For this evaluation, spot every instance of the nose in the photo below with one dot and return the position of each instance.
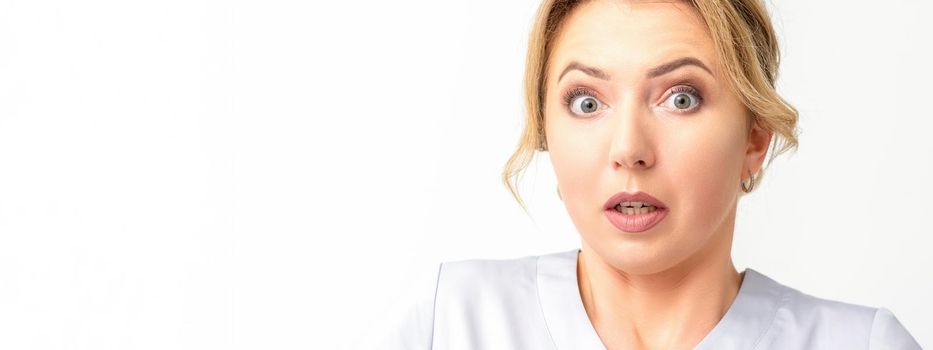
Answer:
(632, 138)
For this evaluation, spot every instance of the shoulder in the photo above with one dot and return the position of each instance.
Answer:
(486, 275)
(465, 300)
(475, 287)
(821, 312)
(413, 326)
(490, 303)
(817, 322)
(888, 333)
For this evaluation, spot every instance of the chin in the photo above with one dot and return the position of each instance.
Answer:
(641, 265)
(640, 256)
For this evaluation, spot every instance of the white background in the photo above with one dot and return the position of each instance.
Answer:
(271, 174)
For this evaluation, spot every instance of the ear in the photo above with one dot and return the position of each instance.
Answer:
(758, 140)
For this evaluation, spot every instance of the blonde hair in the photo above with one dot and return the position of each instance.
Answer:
(748, 52)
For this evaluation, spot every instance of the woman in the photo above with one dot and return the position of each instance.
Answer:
(657, 118)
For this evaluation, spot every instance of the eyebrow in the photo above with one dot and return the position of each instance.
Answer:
(591, 71)
(680, 62)
(653, 73)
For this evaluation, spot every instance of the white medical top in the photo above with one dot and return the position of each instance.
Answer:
(534, 302)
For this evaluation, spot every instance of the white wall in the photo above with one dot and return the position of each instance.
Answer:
(237, 175)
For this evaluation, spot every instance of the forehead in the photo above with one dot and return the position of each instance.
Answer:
(627, 38)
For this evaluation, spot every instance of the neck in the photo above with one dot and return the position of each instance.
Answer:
(674, 308)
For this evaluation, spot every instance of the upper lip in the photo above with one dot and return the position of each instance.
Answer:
(633, 197)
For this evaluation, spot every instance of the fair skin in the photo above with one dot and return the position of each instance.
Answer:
(668, 287)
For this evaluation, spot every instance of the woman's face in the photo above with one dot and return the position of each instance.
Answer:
(620, 118)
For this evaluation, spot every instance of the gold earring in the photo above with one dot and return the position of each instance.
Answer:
(751, 180)
(558, 193)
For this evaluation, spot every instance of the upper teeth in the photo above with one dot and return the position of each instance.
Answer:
(635, 204)
(635, 208)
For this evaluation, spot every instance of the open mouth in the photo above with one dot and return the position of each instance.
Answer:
(634, 202)
(633, 208)
(634, 212)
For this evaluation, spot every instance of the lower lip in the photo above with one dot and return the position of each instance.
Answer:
(635, 222)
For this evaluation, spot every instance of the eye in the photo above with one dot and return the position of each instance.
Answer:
(584, 105)
(581, 101)
(683, 99)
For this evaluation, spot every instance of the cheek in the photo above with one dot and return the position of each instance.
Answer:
(578, 155)
(703, 166)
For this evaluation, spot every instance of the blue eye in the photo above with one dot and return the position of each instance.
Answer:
(683, 99)
(581, 101)
(584, 105)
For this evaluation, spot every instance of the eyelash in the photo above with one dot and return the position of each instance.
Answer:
(681, 88)
(576, 92)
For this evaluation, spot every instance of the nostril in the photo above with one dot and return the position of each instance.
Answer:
(632, 162)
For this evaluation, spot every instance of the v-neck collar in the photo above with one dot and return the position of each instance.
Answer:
(744, 323)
